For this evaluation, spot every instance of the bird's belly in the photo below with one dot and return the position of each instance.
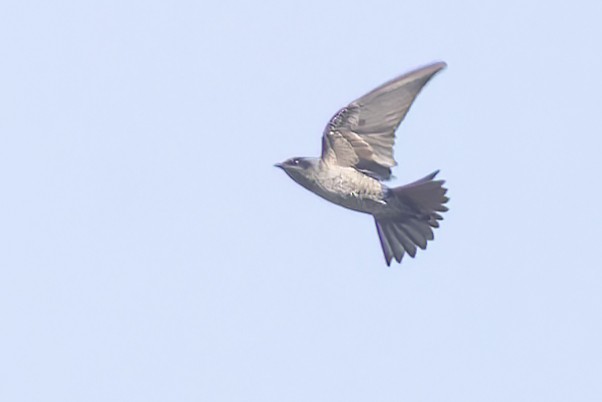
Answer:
(367, 198)
(359, 204)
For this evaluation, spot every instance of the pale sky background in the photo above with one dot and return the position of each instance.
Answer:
(149, 250)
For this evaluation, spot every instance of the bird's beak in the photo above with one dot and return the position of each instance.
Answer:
(279, 165)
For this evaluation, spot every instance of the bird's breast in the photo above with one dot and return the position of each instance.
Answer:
(351, 189)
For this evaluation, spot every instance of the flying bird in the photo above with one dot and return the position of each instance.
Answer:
(357, 156)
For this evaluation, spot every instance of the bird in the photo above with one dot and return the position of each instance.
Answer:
(357, 157)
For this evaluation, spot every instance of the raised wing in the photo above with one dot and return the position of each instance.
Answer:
(362, 134)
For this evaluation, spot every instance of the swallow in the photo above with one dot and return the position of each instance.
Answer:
(357, 156)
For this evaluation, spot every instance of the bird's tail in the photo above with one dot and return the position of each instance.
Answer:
(418, 206)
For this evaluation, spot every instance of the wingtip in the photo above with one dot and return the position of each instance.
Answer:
(440, 64)
(433, 67)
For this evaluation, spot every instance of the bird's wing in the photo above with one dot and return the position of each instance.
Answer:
(362, 134)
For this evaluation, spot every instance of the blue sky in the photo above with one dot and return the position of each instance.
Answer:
(150, 251)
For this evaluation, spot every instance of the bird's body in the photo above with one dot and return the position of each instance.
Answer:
(344, 186)
(357, 153)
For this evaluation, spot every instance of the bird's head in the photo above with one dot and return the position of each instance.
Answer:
(299, 169)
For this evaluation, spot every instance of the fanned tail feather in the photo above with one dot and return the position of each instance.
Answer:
(418, 206)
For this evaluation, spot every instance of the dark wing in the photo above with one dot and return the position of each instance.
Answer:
(363, 133)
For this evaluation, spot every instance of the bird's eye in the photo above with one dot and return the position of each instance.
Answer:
(296, 161)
